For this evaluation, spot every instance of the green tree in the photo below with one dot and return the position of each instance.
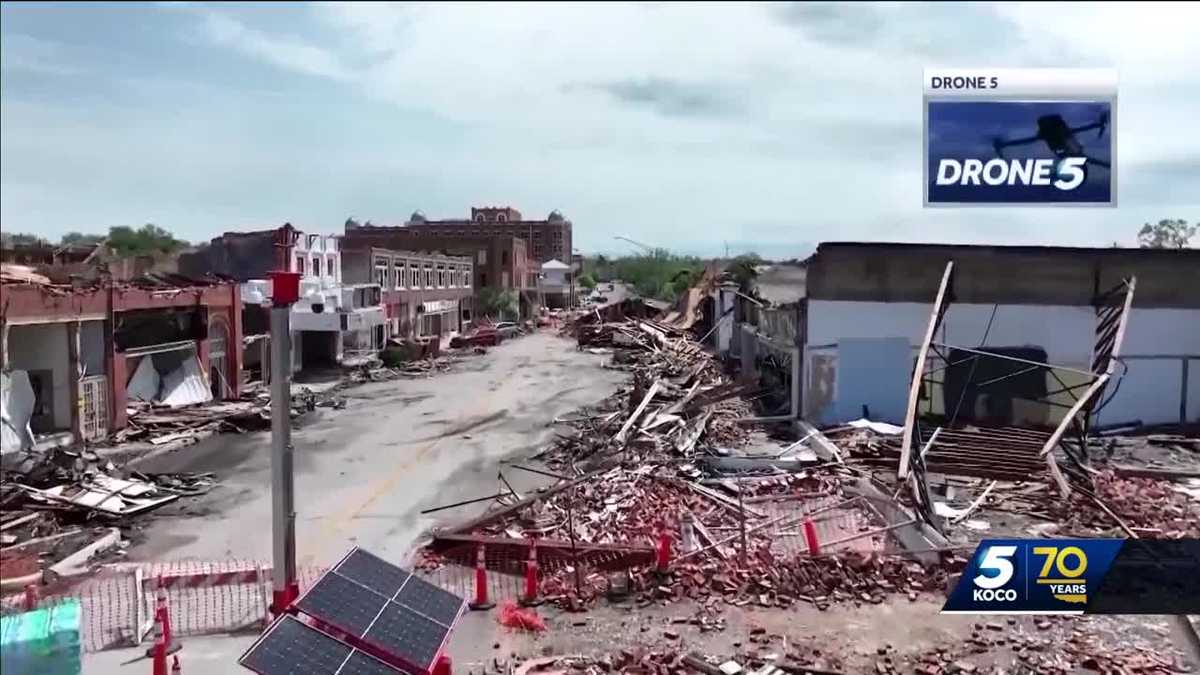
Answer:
(742, 268)
(587, 281)
(1168, 233)
(80, 239)
(496, 303)
(149, 239)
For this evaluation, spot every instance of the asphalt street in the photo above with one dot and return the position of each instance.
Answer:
(364, 473)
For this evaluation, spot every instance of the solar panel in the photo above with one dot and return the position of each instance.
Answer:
(434, 602)
(343, 603)
(291, 647)
(372, 572)
(407, 635)
(384, 606)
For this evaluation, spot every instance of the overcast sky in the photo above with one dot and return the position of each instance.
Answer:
(760, 127)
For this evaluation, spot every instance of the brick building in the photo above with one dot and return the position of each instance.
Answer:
(548, 239)
(498, 262)
(72, 357)
(424, 294)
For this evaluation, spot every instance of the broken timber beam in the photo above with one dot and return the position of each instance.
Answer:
(492, 516)
(914, 390)
(824, 447)
(620, 437)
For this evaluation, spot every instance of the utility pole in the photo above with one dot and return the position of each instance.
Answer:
(285, 291)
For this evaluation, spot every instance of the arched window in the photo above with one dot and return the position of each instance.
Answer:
(500, 218)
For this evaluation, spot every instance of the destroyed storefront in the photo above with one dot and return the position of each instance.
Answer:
(75, 359)
(56, 366)
(867, 309)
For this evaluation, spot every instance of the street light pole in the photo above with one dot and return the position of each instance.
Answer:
(285, 584)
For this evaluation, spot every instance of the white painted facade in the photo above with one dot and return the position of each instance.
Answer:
(318, 258)
(325, 304)
(1157, 344)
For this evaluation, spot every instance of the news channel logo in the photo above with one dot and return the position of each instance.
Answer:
(1020, 137)
(1033, 576)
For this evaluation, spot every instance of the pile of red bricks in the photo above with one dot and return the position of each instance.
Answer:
(1150, 507)
(821, 581)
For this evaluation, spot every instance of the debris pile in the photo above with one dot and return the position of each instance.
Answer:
(423, 367)
(159, 424)
(52, 503)
(680, 400)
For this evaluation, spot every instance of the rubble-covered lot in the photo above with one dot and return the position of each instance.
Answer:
(781, 551)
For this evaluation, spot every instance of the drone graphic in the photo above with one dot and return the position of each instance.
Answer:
(1059, 136)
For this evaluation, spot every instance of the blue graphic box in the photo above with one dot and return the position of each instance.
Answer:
(1000, 133)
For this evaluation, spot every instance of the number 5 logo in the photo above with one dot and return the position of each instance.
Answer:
(996, 562)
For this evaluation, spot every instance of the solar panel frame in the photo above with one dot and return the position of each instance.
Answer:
(345, 603)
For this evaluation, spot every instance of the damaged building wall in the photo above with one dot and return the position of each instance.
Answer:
(1064, 333)
(41, 350)
(880, 291)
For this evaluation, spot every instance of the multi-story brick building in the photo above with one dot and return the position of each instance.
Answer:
(424, 294)
(548, 239)
(498, 262)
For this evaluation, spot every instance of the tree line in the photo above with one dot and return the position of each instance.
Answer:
(149, 239)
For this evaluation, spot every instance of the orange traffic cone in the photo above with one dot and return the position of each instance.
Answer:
(158, 651)
(481, 601)
(160, 606)
(530, 597)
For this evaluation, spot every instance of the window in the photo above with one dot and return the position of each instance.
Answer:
(451, 272)
(441, 276)
(401, 271)
(381, 272)
(483, 278)
(329, 267)
(504, 257)
(483, 256)
(479, 218)
(316, 266)
(300, 263)
(500, 218)
(428, 276)
(413, 275)
(466, 278)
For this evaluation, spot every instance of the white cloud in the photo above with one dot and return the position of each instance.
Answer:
(33, 55)
(683, 124)
(284, 51)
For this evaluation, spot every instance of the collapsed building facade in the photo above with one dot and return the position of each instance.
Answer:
(73, 357)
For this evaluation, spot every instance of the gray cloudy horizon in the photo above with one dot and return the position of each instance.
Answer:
(763, 127)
